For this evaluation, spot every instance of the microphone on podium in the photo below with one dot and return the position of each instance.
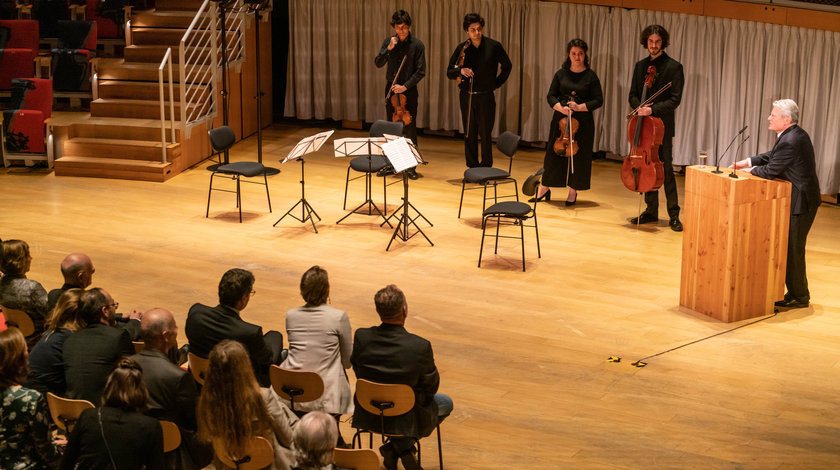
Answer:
(733, 175)
(717, 160)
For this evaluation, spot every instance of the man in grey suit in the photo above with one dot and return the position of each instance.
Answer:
(791, 159)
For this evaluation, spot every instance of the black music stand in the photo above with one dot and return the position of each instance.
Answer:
(403, 155)
(363, 146)
(307, 145)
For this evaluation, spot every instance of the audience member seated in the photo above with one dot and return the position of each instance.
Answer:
(45, 361)
(117, 431)
(389, 354)
(172, 391)
(16, 291)
(77, 270)
(25, 441)
(320, 340)
(91, 353)
(314, 441)
(233, 408)
(207, 326)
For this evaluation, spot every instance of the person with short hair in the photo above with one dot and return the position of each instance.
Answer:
(116, 434)
(45, 361)
(25, 439)
(16, 291)
(486, 67)
(791, 159)
(207, 326)
(314, 440)
(389, 354)
(77, 271)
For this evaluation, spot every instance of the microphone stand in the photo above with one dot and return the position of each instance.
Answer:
(717, 160)
(256, 7)
(733, 175)
(223, 6)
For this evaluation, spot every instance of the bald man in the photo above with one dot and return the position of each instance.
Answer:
(77, 269)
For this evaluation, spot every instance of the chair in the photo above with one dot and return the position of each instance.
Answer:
(258, 454)
(356, 459)
(516, 213)
(198, 367)
(371, 166)
(171, 436)
(296, 385)
(221, 139)
(27, 126)
(387, 400)
(19, 319)
(139, 346)
(64, 411)
(507, 143)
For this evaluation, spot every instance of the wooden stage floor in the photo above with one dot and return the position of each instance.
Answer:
(523, 355)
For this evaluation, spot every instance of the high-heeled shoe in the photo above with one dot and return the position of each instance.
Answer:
(572, 202)
(546, 195)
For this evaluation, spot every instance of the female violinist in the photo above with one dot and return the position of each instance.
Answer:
(575, 92)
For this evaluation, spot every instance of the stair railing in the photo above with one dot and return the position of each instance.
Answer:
(167, 61)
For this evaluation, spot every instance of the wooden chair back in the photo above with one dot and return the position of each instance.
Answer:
(198, 367)
(19, 319)
(389, 399)
(258, 455)
(296, 385)
(64, 411)
(139, 346)
(356, 459)
(171, 436)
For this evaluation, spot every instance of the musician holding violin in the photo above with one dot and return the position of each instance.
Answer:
(665, 70)
(406, 59)
(574, 93)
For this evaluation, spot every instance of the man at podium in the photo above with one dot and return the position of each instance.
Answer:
(791, 159)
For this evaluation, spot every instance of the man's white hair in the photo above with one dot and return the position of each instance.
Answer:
(788, 108)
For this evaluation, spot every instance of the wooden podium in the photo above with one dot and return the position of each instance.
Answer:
(734, 245)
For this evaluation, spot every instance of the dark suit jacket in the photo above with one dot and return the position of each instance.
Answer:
(664, 105)
(133, 440)
(208, 326)
(52, 297)
(389, 354)
(792, 159)
(90, 355)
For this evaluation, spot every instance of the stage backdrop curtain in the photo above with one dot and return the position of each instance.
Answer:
(733, 70)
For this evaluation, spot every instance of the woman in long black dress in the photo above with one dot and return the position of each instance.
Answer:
(574, 90)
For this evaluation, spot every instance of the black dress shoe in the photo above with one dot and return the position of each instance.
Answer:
(644, 218)
(546, 195)
(412, 174)
(389, 457)
(675, 224)
(792, 302)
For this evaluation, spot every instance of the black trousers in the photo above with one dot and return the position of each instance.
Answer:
(482, 118)
(410, 130)
(795, 279)
(670, 183)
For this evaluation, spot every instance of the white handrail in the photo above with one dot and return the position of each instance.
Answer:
(167, 60)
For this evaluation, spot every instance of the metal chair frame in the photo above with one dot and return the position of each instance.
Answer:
(507, 143)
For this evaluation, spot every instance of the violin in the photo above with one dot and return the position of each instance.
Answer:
(461, 59)
(642, 171)
(565, 145)
(398, 101)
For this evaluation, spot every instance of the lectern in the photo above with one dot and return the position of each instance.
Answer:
(734, 244)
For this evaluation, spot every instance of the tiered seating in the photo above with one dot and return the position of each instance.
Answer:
(26, 127)
(18, 50)
(71, 60)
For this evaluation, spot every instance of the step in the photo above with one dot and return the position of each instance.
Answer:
(120, 128)
(138, 90)
(128, 108)
(158, 18)
(154, 54)
(119, 168)
(148, 72)
(169, 36)
(187, 5)
(129, 149)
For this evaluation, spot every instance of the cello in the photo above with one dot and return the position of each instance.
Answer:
(642, 171)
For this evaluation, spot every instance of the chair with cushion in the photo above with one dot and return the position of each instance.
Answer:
(18, 50)
(64, 411)
(370, 166)
(296, 385)
(259, 454)
(222, 139)
(356, 459)
(483, 177)
(387, 400)
(71, 60)
(513, 213)
(198, 367)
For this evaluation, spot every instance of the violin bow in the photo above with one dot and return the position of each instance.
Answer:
(396, 76)
(649, 100)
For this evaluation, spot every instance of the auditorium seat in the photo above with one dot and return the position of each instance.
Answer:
(27, 129)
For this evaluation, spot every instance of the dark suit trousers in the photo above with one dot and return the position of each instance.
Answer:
(795, 279)
(274, 341)
(670, 183)
(482, 117)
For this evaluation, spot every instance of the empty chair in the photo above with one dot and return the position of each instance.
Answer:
(222, 139)
(64, 411)
(483, 177)
(372, 165)
(296, 385)
(513, 213)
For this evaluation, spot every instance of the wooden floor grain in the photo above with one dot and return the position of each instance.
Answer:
(523, 355)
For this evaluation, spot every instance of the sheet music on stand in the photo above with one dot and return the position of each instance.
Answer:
(358, 146)
(402, 154)
(308, 145)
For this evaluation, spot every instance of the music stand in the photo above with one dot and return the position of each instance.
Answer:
(402, 155)
(306, 145)
(362, 146)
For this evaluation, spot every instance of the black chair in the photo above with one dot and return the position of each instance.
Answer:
(371, 166)
(507, 143)
(514, 213)
(222, 138)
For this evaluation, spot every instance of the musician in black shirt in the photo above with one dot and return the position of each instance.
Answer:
(485, 67)
(403, 45)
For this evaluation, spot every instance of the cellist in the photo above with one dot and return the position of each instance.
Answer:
(655, 39)
(403, 45)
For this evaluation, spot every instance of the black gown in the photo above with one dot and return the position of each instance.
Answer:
(587, 89)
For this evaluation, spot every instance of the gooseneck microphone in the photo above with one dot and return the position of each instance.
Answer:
(733, 175)
(717, 160)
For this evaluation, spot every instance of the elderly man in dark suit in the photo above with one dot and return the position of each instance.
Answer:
(389, 354)
(91, 353)
(791, 159)
(208, 326)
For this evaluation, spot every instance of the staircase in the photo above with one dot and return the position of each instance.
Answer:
(122, 137)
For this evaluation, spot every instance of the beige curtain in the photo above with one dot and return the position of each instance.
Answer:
(733, 70)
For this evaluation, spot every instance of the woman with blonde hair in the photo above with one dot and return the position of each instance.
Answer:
(45, 361)
(233, 408)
